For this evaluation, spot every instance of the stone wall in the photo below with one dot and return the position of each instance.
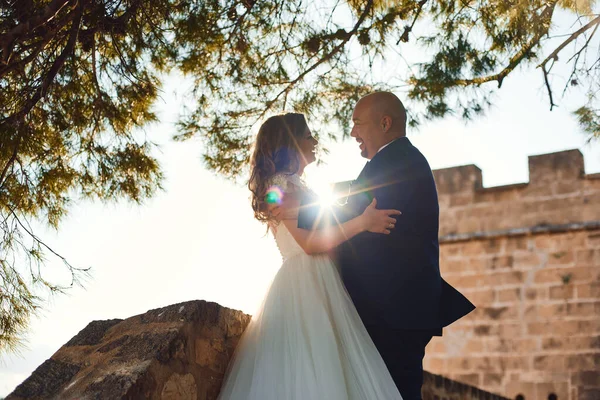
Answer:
(528, 255)
(437, 387)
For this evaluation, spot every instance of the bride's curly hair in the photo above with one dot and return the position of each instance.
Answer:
(275, 151)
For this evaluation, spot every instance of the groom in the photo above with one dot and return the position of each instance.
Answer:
(394, 280)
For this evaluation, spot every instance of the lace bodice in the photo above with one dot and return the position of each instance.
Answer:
(288, 247)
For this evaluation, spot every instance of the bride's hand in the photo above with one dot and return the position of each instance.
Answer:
(379, 221)
(288, 209)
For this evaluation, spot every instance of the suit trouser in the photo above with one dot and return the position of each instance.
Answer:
(403, 352)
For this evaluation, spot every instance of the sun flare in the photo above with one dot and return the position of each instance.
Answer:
(323, 189)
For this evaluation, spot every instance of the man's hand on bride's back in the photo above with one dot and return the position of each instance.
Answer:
(288, 208)
(379, 221)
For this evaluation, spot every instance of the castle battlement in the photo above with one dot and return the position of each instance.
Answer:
(528, 256)
(558, 193)
(543, 169)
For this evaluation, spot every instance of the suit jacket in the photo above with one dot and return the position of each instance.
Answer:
(394, 280)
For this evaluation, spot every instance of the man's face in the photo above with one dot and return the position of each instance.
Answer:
(366, 130)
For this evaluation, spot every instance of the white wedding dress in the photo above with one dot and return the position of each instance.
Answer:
(306, 341)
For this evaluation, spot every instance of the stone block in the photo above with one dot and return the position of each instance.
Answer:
(511, 329)
(587, 379)
(436, 364)
(458, 179)
(593, 240)
(513, 278)
(553, 362)
(520, 387)
(436, 387)
(453, 266)
(588, 257)
(474, 346)
(500, 313)
(534, 294)
(570, 275)
(473, 248)
(590, 326)
(481, 297)
(527, 260)
(469, 379)
(491, 379)
(563, 257)
(448, 250)
(500, 263)
(562, 292)
(517, 243)
(546, 242)
(569, 344)
(512, 295)
(545, 389)
(584, 361)
(548, 168)
(589, 290)
(588, 394)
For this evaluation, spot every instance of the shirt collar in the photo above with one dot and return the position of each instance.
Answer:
(387, 144)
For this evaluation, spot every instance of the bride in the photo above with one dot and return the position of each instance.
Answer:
(306, 341)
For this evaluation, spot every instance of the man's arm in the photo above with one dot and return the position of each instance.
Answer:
(323, 240)
(312, 214)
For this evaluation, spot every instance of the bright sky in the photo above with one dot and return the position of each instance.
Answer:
(197, 240)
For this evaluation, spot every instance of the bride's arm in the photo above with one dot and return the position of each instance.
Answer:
(320, 241)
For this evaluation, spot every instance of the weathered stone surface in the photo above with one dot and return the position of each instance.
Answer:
(178, 352)
(93, 333)
(558, 195)
(528, 256)
(46, 380)
(180, 387)
(436, 387)
(148, 356)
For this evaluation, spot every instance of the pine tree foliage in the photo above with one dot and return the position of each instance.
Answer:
(77, 77)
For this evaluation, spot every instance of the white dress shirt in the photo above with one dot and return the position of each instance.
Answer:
(387, 144)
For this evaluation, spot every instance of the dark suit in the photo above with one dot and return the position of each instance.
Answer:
(394, 280)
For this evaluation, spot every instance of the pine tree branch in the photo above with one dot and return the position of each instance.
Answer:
(326, 57)
(11, 160)
(544, 18)
(548, 88)
(39, 47)
(574, 35)
(18, 119)
(60, 61)
(408, 29)
(41, 242)
(47, 14)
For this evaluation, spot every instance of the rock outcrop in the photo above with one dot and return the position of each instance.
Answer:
(179, 352)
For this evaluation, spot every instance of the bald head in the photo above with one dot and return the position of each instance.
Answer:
(386, 104)
(379, 118)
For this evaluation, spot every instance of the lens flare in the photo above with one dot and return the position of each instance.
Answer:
(326, 196)
(274, 195)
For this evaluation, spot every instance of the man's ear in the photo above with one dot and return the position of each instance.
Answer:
(386, 123)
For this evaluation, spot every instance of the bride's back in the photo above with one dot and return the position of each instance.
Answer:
(288, 247)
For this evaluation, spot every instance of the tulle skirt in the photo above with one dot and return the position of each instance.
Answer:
(307, 342)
